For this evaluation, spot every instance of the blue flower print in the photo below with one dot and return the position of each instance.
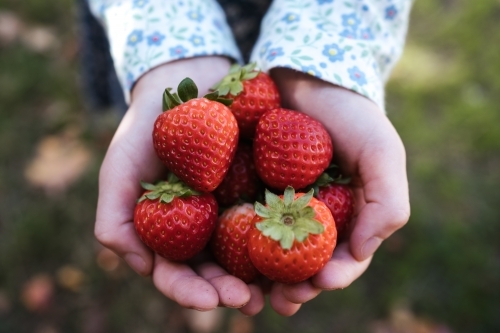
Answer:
(366, 34)
(333, 52)
(130, 80)
(391, 12)
(218, 24)
(134, 37)
(155, 38)
(350, 21)
(274, 53)
(264, 48)
(348, 34)
(195, 15)
(291, 17)
(322, 2)
(311, 70)
(140, 3)
(197, 40)
(178, 51)
(357, 75)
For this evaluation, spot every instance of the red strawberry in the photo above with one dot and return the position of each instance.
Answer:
(229, 241)
(196, 139)
(291, 149)
(333, 190)
(241, 181)
(292, 237)
(173, 220)
(253, 93)
(340, 200)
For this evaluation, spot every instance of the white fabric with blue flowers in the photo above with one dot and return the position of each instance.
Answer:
(350, 43)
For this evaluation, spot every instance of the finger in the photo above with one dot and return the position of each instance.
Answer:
(387, 207)
(340, 271)
(119, 189)
(182, 285)
(232, 292)
(114, 227)
(122, 239)
(279, 302)
(256, 303)
(301, 292)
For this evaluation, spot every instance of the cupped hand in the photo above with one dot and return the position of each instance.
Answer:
(131, 158)
(369, 150)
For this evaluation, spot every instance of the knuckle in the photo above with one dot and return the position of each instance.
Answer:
(400, 218)
(103, 237)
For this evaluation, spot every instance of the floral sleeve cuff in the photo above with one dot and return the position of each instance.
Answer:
(146, 33)
(350, 43)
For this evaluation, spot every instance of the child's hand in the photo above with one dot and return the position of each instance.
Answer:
(130, 159)
(368, 149)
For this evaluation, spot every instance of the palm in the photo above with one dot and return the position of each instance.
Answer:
(368, 149)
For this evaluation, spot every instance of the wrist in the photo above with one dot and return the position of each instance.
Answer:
(204, 71)
(306, 93)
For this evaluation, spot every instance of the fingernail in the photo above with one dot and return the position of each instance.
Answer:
(370, 246)
(136, 262)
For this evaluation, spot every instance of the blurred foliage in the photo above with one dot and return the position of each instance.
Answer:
(441, 273)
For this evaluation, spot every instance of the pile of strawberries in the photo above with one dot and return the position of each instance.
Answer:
(248, 180)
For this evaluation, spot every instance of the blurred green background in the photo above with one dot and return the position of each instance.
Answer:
(439, 274)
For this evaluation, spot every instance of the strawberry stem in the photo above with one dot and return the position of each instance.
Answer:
(288, 219)
(187, 90)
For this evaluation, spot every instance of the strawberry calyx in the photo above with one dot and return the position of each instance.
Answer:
(330, 175)
(187, 90)
(287, 219)
(232, 83)
(166, 191)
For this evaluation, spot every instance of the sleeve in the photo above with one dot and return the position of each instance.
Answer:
(146, 33)
(350, 43)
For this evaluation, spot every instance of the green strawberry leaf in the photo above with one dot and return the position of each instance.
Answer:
(249, 76)
(302, 202)
(153, 195)
(170, 100)
(261, 210)
(214, 96)
(187, 90)
(147, 186)
(167, 191)
(232, 82)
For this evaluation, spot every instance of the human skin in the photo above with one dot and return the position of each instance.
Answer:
(366, 146)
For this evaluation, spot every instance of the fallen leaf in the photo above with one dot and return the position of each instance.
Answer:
(11, 27)
(70, 277)
(204, 321)
(39, 39)
(403, 320)
(37, 293)
(59, 161)
(107, 260)
(240, 323)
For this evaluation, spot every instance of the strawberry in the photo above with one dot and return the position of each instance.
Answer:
(197, 137)
(290, 149)
(229, 241)
(253, 93)
(333, 190)
(292, 237)
(173, 220)
(241, 181)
